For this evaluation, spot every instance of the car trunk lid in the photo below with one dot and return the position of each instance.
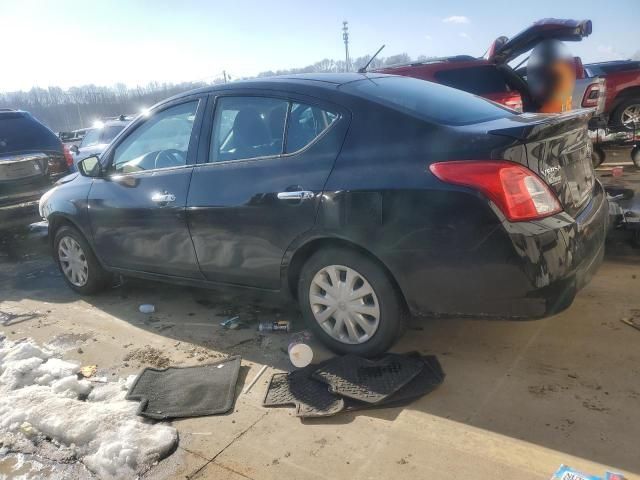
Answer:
(504, 49)
(23, 176)
(559, 150)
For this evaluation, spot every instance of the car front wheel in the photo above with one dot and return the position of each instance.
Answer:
(350, 303)
(77, 263)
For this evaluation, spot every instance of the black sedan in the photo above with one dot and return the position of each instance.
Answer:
(365, 197)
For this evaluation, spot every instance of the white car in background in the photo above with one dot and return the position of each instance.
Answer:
(98, 138)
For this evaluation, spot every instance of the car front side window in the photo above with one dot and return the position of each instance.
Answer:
(161, 142)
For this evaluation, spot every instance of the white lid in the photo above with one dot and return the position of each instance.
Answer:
(300, 355)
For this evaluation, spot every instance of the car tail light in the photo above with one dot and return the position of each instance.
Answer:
(514, 104)
(517, 191)
(67, 156)
(591, 96)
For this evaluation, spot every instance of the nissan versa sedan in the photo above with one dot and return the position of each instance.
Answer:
(366, 197)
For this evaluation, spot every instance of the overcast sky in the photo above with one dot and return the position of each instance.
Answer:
(66, 43)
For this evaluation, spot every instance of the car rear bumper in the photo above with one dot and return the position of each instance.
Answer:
(520, 270)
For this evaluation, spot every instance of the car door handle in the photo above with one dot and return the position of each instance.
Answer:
(298, 195)
(163, 197)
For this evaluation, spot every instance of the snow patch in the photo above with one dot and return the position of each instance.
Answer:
(42, 397)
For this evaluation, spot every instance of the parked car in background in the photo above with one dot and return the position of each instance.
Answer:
(492, 77)
(72, 138)
(97, 138)
(32, 158)
(362, 196)
(622, 101)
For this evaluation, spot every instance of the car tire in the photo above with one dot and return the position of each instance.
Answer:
(597, 156)
(635, 156)
(79, 266)
(620, 113)
(381, 312)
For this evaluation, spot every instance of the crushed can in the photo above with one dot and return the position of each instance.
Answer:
(277, 326)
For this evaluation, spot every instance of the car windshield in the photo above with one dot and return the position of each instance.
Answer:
(92, 137)
(427, 100)
(97, 136)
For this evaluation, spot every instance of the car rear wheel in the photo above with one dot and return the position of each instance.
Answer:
(77, 263)
(350, 303)
(627, 114)
(635, 156)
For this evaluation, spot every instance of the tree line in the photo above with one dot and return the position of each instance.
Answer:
(79, 107)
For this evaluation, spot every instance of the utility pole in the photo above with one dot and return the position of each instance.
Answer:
(345, 37)
(224, 74)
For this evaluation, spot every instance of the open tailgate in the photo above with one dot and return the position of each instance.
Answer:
(505, 49)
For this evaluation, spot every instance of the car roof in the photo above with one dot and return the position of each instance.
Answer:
(436, 60)
(329, 81)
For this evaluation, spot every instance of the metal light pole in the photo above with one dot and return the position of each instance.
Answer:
(345, 37)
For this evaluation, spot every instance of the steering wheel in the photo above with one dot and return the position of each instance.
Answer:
(169, 158)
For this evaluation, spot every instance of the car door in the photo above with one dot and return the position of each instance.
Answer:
(137, 210)
(268, 160)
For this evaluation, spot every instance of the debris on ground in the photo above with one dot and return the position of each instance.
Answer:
(255, 379)
(234, 323)
(277, 326)
(147, 308)
(568, 473)
(148, 355)
(45, 410)
(300, 353)
(180, 392)
(88, 371)
(631, 322)
(354, 383)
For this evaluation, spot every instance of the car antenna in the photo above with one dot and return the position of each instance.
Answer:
(364, 69)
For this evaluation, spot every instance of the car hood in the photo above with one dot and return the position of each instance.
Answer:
(506, 49)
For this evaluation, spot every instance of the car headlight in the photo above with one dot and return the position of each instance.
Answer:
(43, 201)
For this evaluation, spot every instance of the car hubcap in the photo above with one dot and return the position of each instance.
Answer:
(73, 261)
(344, 304)
(631, 116)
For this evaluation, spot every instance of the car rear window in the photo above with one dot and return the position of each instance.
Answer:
(428, 100)
(476, 80)
(21, 132)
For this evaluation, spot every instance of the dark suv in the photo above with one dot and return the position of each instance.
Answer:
(362, 196)
(32, 158)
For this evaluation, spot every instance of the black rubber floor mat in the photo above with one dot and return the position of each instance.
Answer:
(311, 398)
(369, 381)
(430, 378)
(178, 392)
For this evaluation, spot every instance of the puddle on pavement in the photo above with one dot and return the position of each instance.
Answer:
(27, 467)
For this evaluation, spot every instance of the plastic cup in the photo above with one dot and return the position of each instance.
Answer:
(300, 354)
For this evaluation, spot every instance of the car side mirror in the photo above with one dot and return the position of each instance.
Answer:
(90, 167)
(74, 149)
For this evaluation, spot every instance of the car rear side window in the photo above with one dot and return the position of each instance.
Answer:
(247, 127)
(427, 100)
(306, 123)
(476, 80)
(162, 141)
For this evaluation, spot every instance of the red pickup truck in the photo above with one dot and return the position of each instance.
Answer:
(492, 76)
(622, 100)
